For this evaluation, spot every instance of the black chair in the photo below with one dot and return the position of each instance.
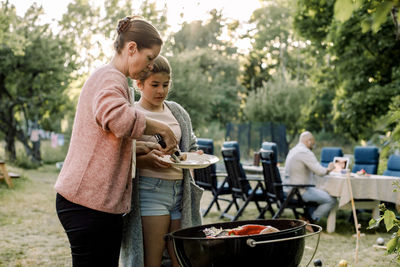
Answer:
(270, 146)
(239, 185)
(207, 178)
(275, 193)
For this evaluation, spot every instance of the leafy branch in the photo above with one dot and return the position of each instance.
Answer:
(391, 222)
(379, 12)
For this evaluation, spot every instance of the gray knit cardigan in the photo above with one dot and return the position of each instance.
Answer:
(132, 239)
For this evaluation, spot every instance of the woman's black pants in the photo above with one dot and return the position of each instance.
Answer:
(94, 236)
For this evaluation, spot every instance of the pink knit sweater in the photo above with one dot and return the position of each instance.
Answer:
(97, 170)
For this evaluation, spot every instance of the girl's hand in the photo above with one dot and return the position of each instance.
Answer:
(143, 147)
(152, 160)
(200, 152)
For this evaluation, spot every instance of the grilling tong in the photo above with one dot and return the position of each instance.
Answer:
(174, 155)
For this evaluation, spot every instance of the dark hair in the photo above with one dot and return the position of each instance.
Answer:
(160, 64)
(136, 29)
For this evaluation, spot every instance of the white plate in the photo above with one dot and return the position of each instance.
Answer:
(193, 160)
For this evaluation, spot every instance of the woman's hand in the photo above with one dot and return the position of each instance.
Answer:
(157, 127)
(152, 160)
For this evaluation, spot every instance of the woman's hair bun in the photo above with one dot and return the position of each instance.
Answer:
(136, 29)
(124, 23)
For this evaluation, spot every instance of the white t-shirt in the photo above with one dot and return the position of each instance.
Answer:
(167, 117)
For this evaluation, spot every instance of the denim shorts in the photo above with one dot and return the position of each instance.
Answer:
(160, 197)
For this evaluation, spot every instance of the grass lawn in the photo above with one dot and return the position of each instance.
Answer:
(31, 234)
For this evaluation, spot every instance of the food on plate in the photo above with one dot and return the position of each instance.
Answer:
(248, 229)
(190, 160)
(178, 158)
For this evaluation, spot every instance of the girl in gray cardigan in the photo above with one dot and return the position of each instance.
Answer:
(164, 198)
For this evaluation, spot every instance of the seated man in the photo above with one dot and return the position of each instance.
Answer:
(300, 167)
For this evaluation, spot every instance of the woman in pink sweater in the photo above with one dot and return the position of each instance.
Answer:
(95, 184)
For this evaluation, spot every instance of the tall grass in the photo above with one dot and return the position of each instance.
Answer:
(31, 234)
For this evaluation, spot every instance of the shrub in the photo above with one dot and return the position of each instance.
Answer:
(51, 155)
(392, 224)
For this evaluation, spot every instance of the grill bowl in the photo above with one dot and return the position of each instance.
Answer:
(193, 249)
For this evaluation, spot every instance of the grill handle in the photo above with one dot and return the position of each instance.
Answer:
(252, 243)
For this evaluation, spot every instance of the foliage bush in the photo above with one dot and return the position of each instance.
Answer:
(24, 161)
(204, 83)
(280, 100)
(392, 223)
(52, 155)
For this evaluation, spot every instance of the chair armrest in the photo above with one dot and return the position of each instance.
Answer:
(220, 174)
(295, 185)
(254, 177)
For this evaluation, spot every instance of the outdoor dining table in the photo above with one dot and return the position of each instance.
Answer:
(368, 191)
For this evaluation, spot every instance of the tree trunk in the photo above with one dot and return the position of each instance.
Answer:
(394, 13)
(36, 155)
(10, 146)
(32, 152)
(9, 129)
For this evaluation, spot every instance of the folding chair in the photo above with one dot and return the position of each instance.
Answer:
(274, 190)
(207, 178)
(271, 146)
(239, 185)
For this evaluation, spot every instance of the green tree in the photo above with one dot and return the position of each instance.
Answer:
(363, 63)
(274, 45)
(311, 20)
(205, 84)
(33, 81)
(317, 112)
(280, 100)
(378, 12)
(202, 34)
(205, 72)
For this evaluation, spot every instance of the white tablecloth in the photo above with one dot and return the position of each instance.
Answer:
(375, 187)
